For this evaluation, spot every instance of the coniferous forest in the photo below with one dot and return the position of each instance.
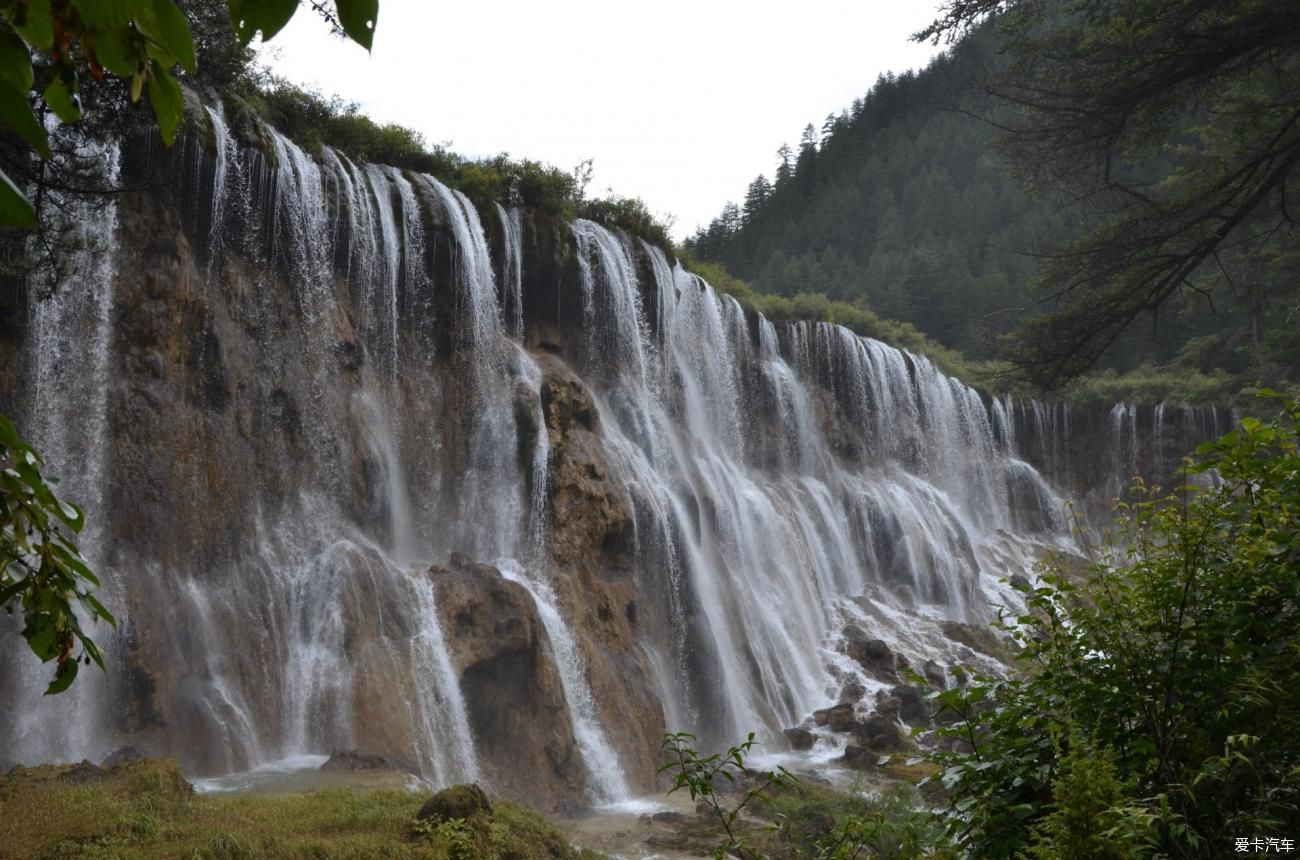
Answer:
(922, 203)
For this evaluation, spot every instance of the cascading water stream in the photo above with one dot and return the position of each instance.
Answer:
(597, 752)
(512, 269)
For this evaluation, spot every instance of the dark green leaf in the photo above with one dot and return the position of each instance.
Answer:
(18, 114)
(42, 637)
(64, 103)
(15, 209)
(15, 61)
(63, 677)
(118, 52)
(358, 18)
(105, 15)
(168, 27)
(32, 20)
(268, 16)
(167, 100)
(99, 609)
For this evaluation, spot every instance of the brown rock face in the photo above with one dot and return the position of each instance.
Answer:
(589, 512)
(511, 687)
(592, 541)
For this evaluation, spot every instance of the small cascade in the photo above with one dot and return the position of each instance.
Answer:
(614, 324)
(225, 156)
(481, 315)
(597, 752)
(442, 732)
(383, 444)
(383, 300)
(512, 269)
(1124, 447)
(538, 479)
(492, 485)
(299, 218)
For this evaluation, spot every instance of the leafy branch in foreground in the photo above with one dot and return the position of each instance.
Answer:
(43, 573)
(48, 48)
(700, 775)
(1156, 711)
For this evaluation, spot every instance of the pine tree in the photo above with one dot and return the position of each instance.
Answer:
(731, 218)
(759, 190)
(808, 142)
(784, 164)
(828, 127)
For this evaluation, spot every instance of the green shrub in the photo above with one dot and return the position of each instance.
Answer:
(1174, 663)
(816, 307)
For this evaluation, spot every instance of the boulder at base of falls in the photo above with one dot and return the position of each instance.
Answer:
(840, 718)
(873, 655)
(515, 701)
(853, 692)
(856, 756)
(357, 760)
(459, 801)
(800, 739)
(913, 708)
(880, 734)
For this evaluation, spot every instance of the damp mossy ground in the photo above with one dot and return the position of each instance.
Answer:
(147, 810)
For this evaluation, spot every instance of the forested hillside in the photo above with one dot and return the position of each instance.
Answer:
(903, 205)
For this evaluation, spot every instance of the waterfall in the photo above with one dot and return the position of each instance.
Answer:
(359, 400)
(72, 335)
(72, 339)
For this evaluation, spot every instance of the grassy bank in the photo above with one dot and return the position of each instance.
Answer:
(147, 810)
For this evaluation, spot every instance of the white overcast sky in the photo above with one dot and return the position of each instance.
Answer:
(679, 102)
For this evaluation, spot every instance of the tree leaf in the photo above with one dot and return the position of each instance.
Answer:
(42, 636)
(168, 27)
(118, 53)
(167, 100)
(268, 16)
(16, 211)
(15, 61)
(17, 113)
(358, 18)
(61, 100)
(32, 20)
(63, 677)
(105, 15)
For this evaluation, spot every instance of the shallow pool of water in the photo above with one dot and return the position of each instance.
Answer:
(301, 773)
